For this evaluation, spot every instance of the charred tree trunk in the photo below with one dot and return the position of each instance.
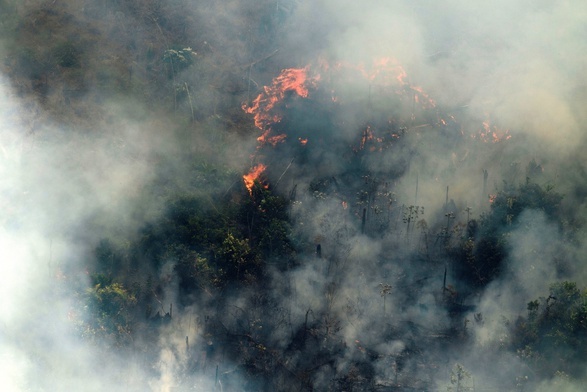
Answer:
(484, 195)
(363, 221)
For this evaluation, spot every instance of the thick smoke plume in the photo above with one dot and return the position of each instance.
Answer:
(431, 136)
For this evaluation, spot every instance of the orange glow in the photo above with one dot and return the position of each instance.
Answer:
(421, 97)
(491, 133)
(386, 70)
(367, 135)
(253, 176)
(492, 198)
(295, 80)
(273, 140)
(385, 75)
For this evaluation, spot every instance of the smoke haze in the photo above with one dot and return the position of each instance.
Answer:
(146, 113)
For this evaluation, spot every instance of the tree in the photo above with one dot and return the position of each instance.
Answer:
(480, 254)
(265, 220)
(553, 336)
(236, 255)
(193, 270)
(110, 309)
(460, 379)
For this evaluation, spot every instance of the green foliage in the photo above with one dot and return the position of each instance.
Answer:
(509, 203)
(179, 60)
(110, 307)
(266, 221)
(182, 58)
(187, 221)
(193, 270)
(479, 258)
(213, 244)
(553, 335)
(236, 256)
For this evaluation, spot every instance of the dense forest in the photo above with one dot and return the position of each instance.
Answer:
(283, 195)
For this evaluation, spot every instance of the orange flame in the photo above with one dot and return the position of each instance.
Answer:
(386, 72)
(368, 137)
(491, 133)
(422, 98)
(253, 176)
(296, 80)
(273, 140)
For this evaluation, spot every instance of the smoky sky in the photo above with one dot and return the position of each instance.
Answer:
(516, 63)
(520, 63)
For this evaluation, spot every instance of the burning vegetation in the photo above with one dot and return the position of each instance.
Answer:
(279, 114)
(290, 81)
(216, 208)
(253, 176)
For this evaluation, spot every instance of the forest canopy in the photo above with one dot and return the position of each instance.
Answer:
(290, 196)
